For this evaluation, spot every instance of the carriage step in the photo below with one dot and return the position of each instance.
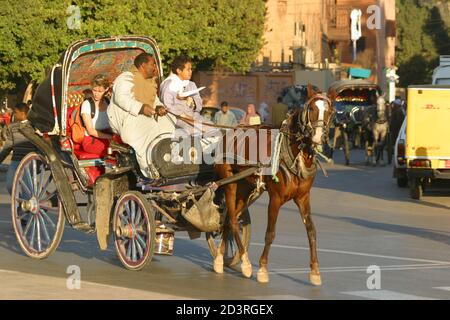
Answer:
(85, 227)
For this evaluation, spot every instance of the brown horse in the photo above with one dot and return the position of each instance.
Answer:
(303, 134)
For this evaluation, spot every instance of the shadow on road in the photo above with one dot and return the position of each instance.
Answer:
(428, 234)
(371, 182)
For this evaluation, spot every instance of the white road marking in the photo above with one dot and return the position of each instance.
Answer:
(339, 251)
(355, 253)
(385, 295)
(364, 269)
(442, 288)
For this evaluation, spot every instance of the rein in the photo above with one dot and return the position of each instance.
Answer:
(191, 123)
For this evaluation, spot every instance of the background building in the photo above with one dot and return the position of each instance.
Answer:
(315, 34)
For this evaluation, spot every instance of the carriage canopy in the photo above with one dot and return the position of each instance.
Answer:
(75, 70)
(354, 93)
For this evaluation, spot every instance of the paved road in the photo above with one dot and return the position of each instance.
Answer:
(362, 219)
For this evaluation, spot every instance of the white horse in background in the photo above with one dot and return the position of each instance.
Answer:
(377, 124)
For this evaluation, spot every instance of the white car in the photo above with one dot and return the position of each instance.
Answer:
(399, 157)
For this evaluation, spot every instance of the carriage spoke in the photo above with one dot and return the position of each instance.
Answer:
(38, 230)
(47, 208)
(129, 251)
(27, 227)
(133, 249)
(48, 197)
(123, 219)
(142, 242)
(44, 228)
(139, 248)
(25, 188)
(20, 199)
(44, 214)
(142, 231)
(29, 180)
(127, 209)
(35, 177)
(33, 231)
(45, 186)
(138, 217)
(22, 215)
(133, 211)
(41, 179)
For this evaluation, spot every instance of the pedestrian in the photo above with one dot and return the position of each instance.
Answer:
(251, 118)
(279, 112)
(224, 116)
(15, 142)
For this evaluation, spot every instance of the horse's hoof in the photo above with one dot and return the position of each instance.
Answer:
(218, 264)
(246, 266)
(315, 279)
(262, 276)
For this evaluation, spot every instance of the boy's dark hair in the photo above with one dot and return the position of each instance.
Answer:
(279, 99)
(224, 104)
(179, 63)
(22, 106)
(142, 58)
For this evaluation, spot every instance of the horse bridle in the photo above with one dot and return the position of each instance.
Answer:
(307, 127)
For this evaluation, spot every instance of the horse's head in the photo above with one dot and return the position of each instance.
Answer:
(381, 104)
(315, 118)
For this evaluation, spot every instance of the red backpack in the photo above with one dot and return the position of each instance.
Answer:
(76, 123)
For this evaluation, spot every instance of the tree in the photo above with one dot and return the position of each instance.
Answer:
(224, 34)
(422, 36)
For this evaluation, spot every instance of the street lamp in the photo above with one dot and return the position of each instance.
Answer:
(392, 79)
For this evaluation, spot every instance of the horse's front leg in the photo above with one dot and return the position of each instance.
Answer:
(246, 265)
(383, 144)
(274, 208)
(218, 260)
(303, 203)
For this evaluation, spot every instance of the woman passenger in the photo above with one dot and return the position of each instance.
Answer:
(95, 119)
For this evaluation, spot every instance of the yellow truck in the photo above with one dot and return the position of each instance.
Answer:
(427, 136)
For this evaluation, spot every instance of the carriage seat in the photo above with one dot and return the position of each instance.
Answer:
(74, 100)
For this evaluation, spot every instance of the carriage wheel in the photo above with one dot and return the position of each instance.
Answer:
(37, 213)
(134, 230)
(231, 255)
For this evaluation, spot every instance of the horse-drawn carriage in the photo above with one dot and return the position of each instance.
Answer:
(354, 99)
(53, 184)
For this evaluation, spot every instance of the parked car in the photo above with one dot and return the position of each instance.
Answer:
(209, 112)
(399, 157)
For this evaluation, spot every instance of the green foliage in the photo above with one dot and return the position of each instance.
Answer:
(218, 34)
(422, 35)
